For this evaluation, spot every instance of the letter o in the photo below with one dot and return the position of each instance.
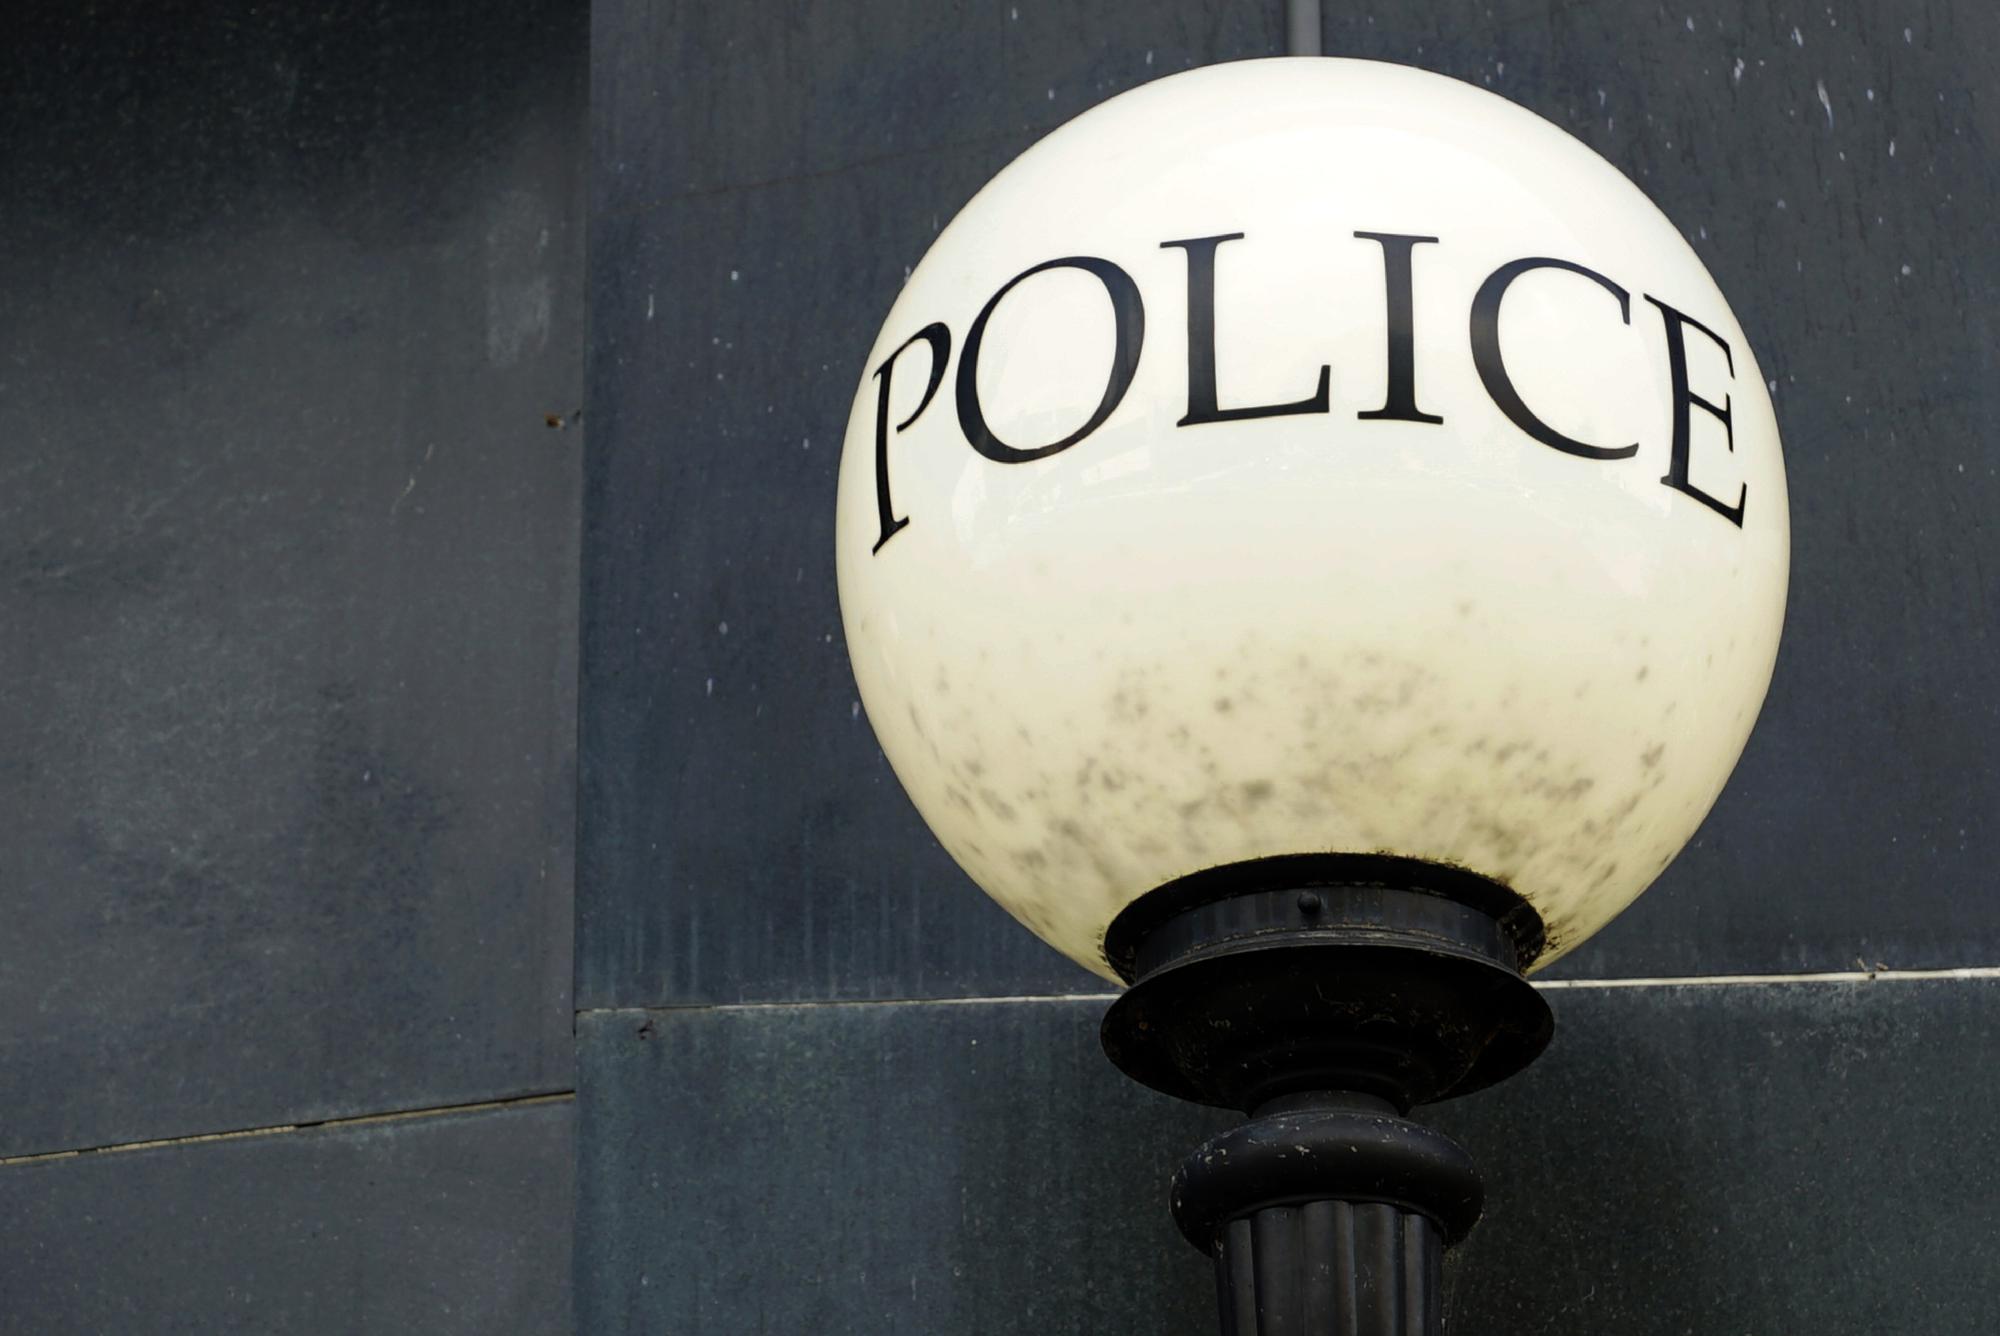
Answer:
(1129, 316)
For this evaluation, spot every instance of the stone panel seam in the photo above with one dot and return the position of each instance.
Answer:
(1879, 975)
(801, 1004)
(281, 1129)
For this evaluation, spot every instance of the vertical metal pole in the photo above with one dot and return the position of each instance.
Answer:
(1302, 27)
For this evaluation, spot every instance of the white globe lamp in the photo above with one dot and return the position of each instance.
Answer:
(1312, 543)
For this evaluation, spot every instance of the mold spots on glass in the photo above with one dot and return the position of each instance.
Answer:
(997, 805)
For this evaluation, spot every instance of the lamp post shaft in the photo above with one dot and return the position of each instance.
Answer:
(1328, 1215)
(1302, 28)
(1331, 1266)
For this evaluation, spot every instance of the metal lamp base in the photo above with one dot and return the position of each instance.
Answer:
(1325, 996)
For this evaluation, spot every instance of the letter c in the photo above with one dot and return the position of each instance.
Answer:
(1492, 366)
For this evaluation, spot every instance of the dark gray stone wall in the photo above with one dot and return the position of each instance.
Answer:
(796, 1111)
(762, 177)
(288, 576)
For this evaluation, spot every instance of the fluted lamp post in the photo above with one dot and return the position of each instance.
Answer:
(1312, 542)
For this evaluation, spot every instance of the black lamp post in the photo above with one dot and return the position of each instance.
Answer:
(1326, 996)
(1312, 541)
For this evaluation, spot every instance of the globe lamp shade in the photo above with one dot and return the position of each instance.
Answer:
(1311, 456)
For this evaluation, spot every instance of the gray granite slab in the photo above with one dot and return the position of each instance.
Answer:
(287, 562)
(1768, 1158)
(765, 174)
(446, 1224)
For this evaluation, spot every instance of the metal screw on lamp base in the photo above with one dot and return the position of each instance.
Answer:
(1325, 996)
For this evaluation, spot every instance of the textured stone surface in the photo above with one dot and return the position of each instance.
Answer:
(450, 1224)
(287, 562)
(1797, 1157)
(1739, 1158)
